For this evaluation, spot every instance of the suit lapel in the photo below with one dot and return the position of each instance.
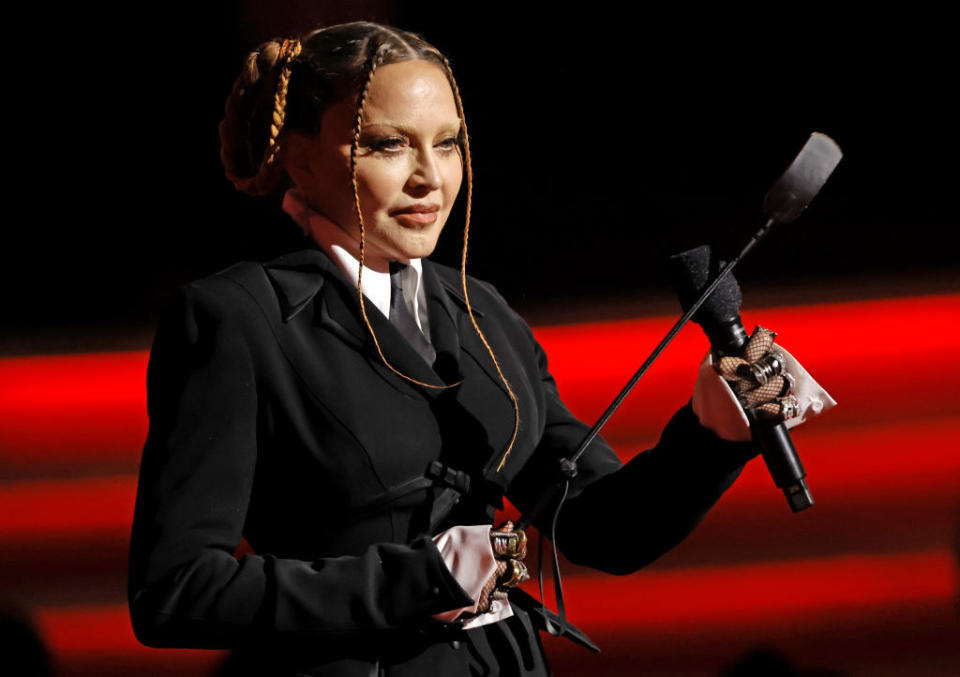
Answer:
(341, 306)
(468, 339)
(309, 277)
(311, 288)
(444, 326)
(487, 398)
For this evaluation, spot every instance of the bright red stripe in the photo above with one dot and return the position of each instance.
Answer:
(88, 408)
(791, 592)
(91, 408)
(905, 461)
(881, 329)
(877, 358)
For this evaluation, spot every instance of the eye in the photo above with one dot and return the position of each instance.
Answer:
(387, 144)
(449, 144)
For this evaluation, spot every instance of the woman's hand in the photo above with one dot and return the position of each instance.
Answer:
(509, 547)
(760, 378)
(490, 592)
(766, 379)
(471, 554)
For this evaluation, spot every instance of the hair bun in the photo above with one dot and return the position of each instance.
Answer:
(244, 131)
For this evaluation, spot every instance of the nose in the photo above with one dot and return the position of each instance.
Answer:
(426, 173)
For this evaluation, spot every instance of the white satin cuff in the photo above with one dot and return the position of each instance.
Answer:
(718, 409)
(467, 552)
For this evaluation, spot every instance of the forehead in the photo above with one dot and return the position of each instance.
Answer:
(410, 92)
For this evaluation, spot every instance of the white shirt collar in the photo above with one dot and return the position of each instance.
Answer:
(336, 242)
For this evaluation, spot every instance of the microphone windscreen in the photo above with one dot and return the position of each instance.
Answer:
(692, 271)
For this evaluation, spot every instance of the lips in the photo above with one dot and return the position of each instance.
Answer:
(417, 215)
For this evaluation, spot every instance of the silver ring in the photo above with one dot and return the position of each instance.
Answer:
(789, 407)
(768, 366)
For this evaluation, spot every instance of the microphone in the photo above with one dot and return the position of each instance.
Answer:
(719, 317)
(696, 272)
(784, 202)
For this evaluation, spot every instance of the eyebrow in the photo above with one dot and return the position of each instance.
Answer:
(404, 129)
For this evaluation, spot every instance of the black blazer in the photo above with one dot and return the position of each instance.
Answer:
(273, 419)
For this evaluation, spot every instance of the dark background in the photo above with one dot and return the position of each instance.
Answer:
(603, 141)
(605, 138)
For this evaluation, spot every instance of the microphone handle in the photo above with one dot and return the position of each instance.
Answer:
(783, 462)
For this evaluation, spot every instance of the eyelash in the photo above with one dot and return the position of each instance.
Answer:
(392, 144)
(450, 143)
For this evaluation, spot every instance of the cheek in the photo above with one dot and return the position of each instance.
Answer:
(452, 176)
(383, 182)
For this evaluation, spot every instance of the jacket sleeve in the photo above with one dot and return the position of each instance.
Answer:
(619, 517)
(186, 588)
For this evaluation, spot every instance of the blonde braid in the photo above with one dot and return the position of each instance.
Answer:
(463, 260)
(240, 162)
(288, 50)
(358, 125)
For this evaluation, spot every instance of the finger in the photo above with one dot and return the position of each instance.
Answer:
(768, 411)
(784, 408)
(515, 574)
(728, 367)
(765, 393)
(759, 344)
(490, 586)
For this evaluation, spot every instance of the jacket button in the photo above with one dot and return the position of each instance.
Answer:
(455, 644)
(435, 591)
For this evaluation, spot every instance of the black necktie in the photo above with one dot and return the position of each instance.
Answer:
(402, 318)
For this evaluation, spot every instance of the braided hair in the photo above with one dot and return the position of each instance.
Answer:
(287, 85)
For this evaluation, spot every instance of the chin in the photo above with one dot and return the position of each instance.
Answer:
(417, 250)
(417, 253)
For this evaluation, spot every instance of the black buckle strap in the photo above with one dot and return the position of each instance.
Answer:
(455, 484)
(437, 474)
(361, 511)
(446, 476)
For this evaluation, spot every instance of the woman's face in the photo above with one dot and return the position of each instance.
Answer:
(409, 167)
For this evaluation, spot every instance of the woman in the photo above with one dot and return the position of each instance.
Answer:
(357, 412)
